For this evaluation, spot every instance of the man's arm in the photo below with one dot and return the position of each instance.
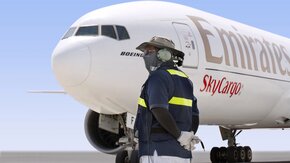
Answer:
(195, 123)
(166, 120)
(195, 115)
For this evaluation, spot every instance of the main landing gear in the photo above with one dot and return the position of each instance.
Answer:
(232, 153)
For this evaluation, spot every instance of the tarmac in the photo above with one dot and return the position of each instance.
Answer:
(97, 157)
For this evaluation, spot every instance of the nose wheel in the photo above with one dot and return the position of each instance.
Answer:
(127, 157)
(122, 157)
(232, 153)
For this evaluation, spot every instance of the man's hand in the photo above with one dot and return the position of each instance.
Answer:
(185, 139)
(195, 140)
(191, 145)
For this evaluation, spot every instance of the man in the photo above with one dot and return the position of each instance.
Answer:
(167, 115)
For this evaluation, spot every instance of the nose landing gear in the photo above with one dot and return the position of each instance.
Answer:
(130, 153)
(232, 153)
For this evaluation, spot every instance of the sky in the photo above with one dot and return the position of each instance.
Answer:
(29, 31)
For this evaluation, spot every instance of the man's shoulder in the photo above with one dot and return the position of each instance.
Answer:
(160, 76)
(160, 73)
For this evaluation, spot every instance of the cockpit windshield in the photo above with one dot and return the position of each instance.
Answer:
(108, 30)
(113, 31)
(122, 32)
(88, 31)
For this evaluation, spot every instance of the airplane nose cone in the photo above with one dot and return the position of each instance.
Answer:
(71, 61)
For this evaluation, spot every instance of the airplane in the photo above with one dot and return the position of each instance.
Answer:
(241, 74)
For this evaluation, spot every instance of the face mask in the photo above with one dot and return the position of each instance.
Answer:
(151, 62)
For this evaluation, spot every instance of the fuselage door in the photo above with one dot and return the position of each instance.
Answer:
(188, 45)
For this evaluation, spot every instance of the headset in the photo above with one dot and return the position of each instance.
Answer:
(164, 55)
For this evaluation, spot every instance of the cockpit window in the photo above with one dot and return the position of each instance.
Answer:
(69, 33)
(88, 31)
(122, 33)
(108, 30)
(113, 31)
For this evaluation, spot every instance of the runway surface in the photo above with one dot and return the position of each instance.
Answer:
(96, 157)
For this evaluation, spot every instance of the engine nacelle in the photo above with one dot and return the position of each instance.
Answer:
(102, 140)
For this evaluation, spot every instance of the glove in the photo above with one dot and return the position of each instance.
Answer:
(185, 139)
(191, 146)
(195, 140)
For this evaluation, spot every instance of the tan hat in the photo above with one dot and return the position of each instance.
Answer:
(161, 42)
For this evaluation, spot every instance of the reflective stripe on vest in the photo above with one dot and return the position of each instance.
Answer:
(173, 101)
(141, 102)
(180, 101)
(176, 72)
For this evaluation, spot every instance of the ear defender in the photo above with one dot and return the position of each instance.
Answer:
(164, 55)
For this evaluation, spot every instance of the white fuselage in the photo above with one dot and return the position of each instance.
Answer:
(241, 74)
